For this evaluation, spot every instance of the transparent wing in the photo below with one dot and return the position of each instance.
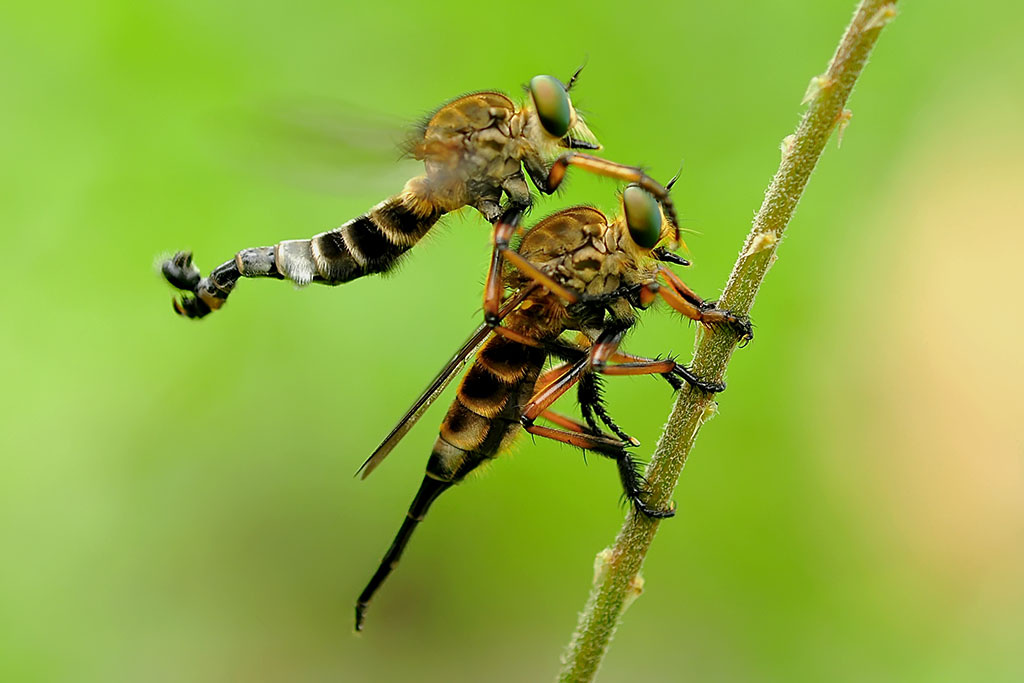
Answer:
(438, 385)
(327, 146)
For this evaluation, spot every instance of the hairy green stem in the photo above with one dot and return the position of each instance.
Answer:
(617, 581)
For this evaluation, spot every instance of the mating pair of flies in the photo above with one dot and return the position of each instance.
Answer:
(575, 271)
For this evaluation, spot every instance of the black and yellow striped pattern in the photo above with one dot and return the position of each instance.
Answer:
(485, 415)
(371, 243)
(483, 419)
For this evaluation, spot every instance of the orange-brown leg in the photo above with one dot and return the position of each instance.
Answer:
(495, 287)
(564, 421)
(543, 398)
(590, 403)
(611, 169)
(681, 287)
(632, 481)
(706, 314)
(590, 442)
(648, 367)
(538, 276)
(517, 337)
(606, 349)
(550, 375)
(623, 357)
(572, 425)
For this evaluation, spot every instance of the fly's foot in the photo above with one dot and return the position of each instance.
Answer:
(681, 372)
(740, 324)
(200, 295)
(181, 272)
(655, 513)
(190, 306)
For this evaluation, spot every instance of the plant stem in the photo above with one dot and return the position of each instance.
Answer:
(617, 580)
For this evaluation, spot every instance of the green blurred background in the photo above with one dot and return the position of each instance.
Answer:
(177, 500)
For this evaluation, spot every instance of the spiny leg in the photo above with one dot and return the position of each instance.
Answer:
(429, 490)
(687, 302)
(588, 406)
(565, 422)
(544, 397)
(675, 377)
(612, 169)
(592, 403)
(632, 481)
(606, 348)
(502, 232)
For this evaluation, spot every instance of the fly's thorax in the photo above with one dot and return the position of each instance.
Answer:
(585, 252)
(468, 149)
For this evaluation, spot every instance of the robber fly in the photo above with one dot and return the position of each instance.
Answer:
(474, 150)
(576, 270)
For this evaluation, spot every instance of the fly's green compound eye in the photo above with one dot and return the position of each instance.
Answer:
(552, 104)
(643, 216)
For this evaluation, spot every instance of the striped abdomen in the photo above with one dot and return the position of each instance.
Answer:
(483, 418)
(485, 415)
(369, 244)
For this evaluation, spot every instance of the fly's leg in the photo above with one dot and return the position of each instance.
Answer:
(549, 376)
(502, 233)
(565, 422)
(615, 170)
(429, 490)
(592, 405)
(680, 297)
(674, 372)
(606, 349)
(632, 481)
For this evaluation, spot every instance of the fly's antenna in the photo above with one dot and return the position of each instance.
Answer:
(568, 86)
(669, 184)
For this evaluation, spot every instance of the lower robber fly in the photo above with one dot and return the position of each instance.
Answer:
(574, 271)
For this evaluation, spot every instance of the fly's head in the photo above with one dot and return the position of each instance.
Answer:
(644, 232)
(553, 125)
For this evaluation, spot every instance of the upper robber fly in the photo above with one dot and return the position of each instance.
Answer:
(474, 150)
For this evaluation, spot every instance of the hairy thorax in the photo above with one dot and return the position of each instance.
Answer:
(469, 148)
(583, 251)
